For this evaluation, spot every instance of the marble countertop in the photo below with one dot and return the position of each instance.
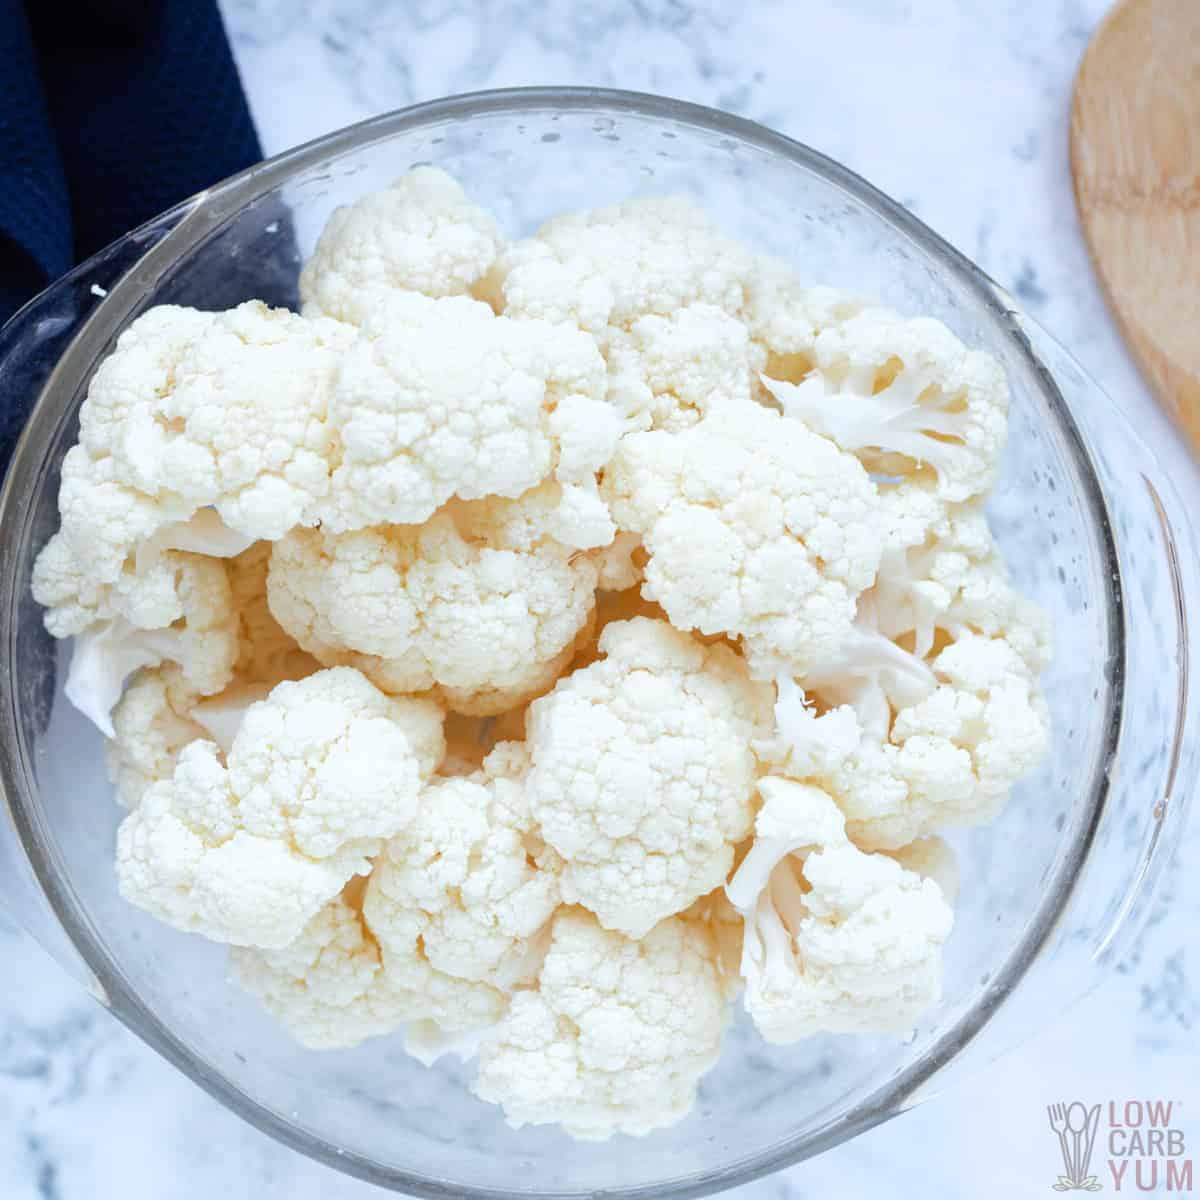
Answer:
(959, 109)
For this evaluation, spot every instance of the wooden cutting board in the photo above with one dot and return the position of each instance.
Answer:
(1135, 156)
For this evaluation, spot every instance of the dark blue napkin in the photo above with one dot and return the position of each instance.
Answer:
(110, 112)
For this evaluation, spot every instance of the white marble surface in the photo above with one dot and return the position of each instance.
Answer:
(958, 108)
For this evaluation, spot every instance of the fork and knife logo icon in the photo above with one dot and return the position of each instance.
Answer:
(1075, 1125)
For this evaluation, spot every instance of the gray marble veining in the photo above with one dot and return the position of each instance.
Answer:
(957, 107)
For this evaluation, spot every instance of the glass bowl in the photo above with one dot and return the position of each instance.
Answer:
(1051, 892)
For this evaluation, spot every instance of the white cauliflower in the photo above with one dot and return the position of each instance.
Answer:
(202, 643)
(989, 703)
(685, 316)
(612, 607)
(602, 270)
(472, 870)
(953, 581)
(246, 852)
(642, 772)
(785, 318)
(357, 971)
(667, 372)
(871, 674)
(950, 758)
(159, 714)
(195, 410)
(837, 940)
(481, 601)
(151, 725)
(905, 394)
(146, 592)
(421, 234)
(754, 527)
(450, 1003)
(442, 398)
(537, 646)
(327, 987)
(617, 1034)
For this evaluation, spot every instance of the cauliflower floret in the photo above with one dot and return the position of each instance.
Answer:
(202, 643)
(480, 601)
(195, 410)
(952, 580)
(642, 773)
(328, 987)
(145, 594)
(950, 758)
(442, 398)
(785, 318)
(318, 774)
(452, 1004)
(753, 527)
(904, 394)
(617, 1034)
(421, 234)
(154, 721)
(602, 270)
(151, 725)
(612, 607)
(669, 371)
(666, 295)
(472, 870)
(837, 941)
(336, 985)
(159, 714)
(988, 703)
(649, 279)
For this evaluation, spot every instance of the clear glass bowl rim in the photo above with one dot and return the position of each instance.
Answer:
(206, 210)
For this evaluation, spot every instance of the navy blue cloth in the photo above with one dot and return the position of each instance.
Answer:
(110, 112)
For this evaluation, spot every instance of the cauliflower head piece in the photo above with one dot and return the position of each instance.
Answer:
(642, 772)
(950, 580)
(145, 594)
(151, 725)
(422, 234)
(752, 527)
(442, 398)
(474, 873)
(837, 940)
(950, 757)
(601, 270)
(202, 643)
(197, 410)
(667, 372)
(616, 1035)
(906, 396)
(248, 850)
(482, 601)
(447, 1005)
(327, 987)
